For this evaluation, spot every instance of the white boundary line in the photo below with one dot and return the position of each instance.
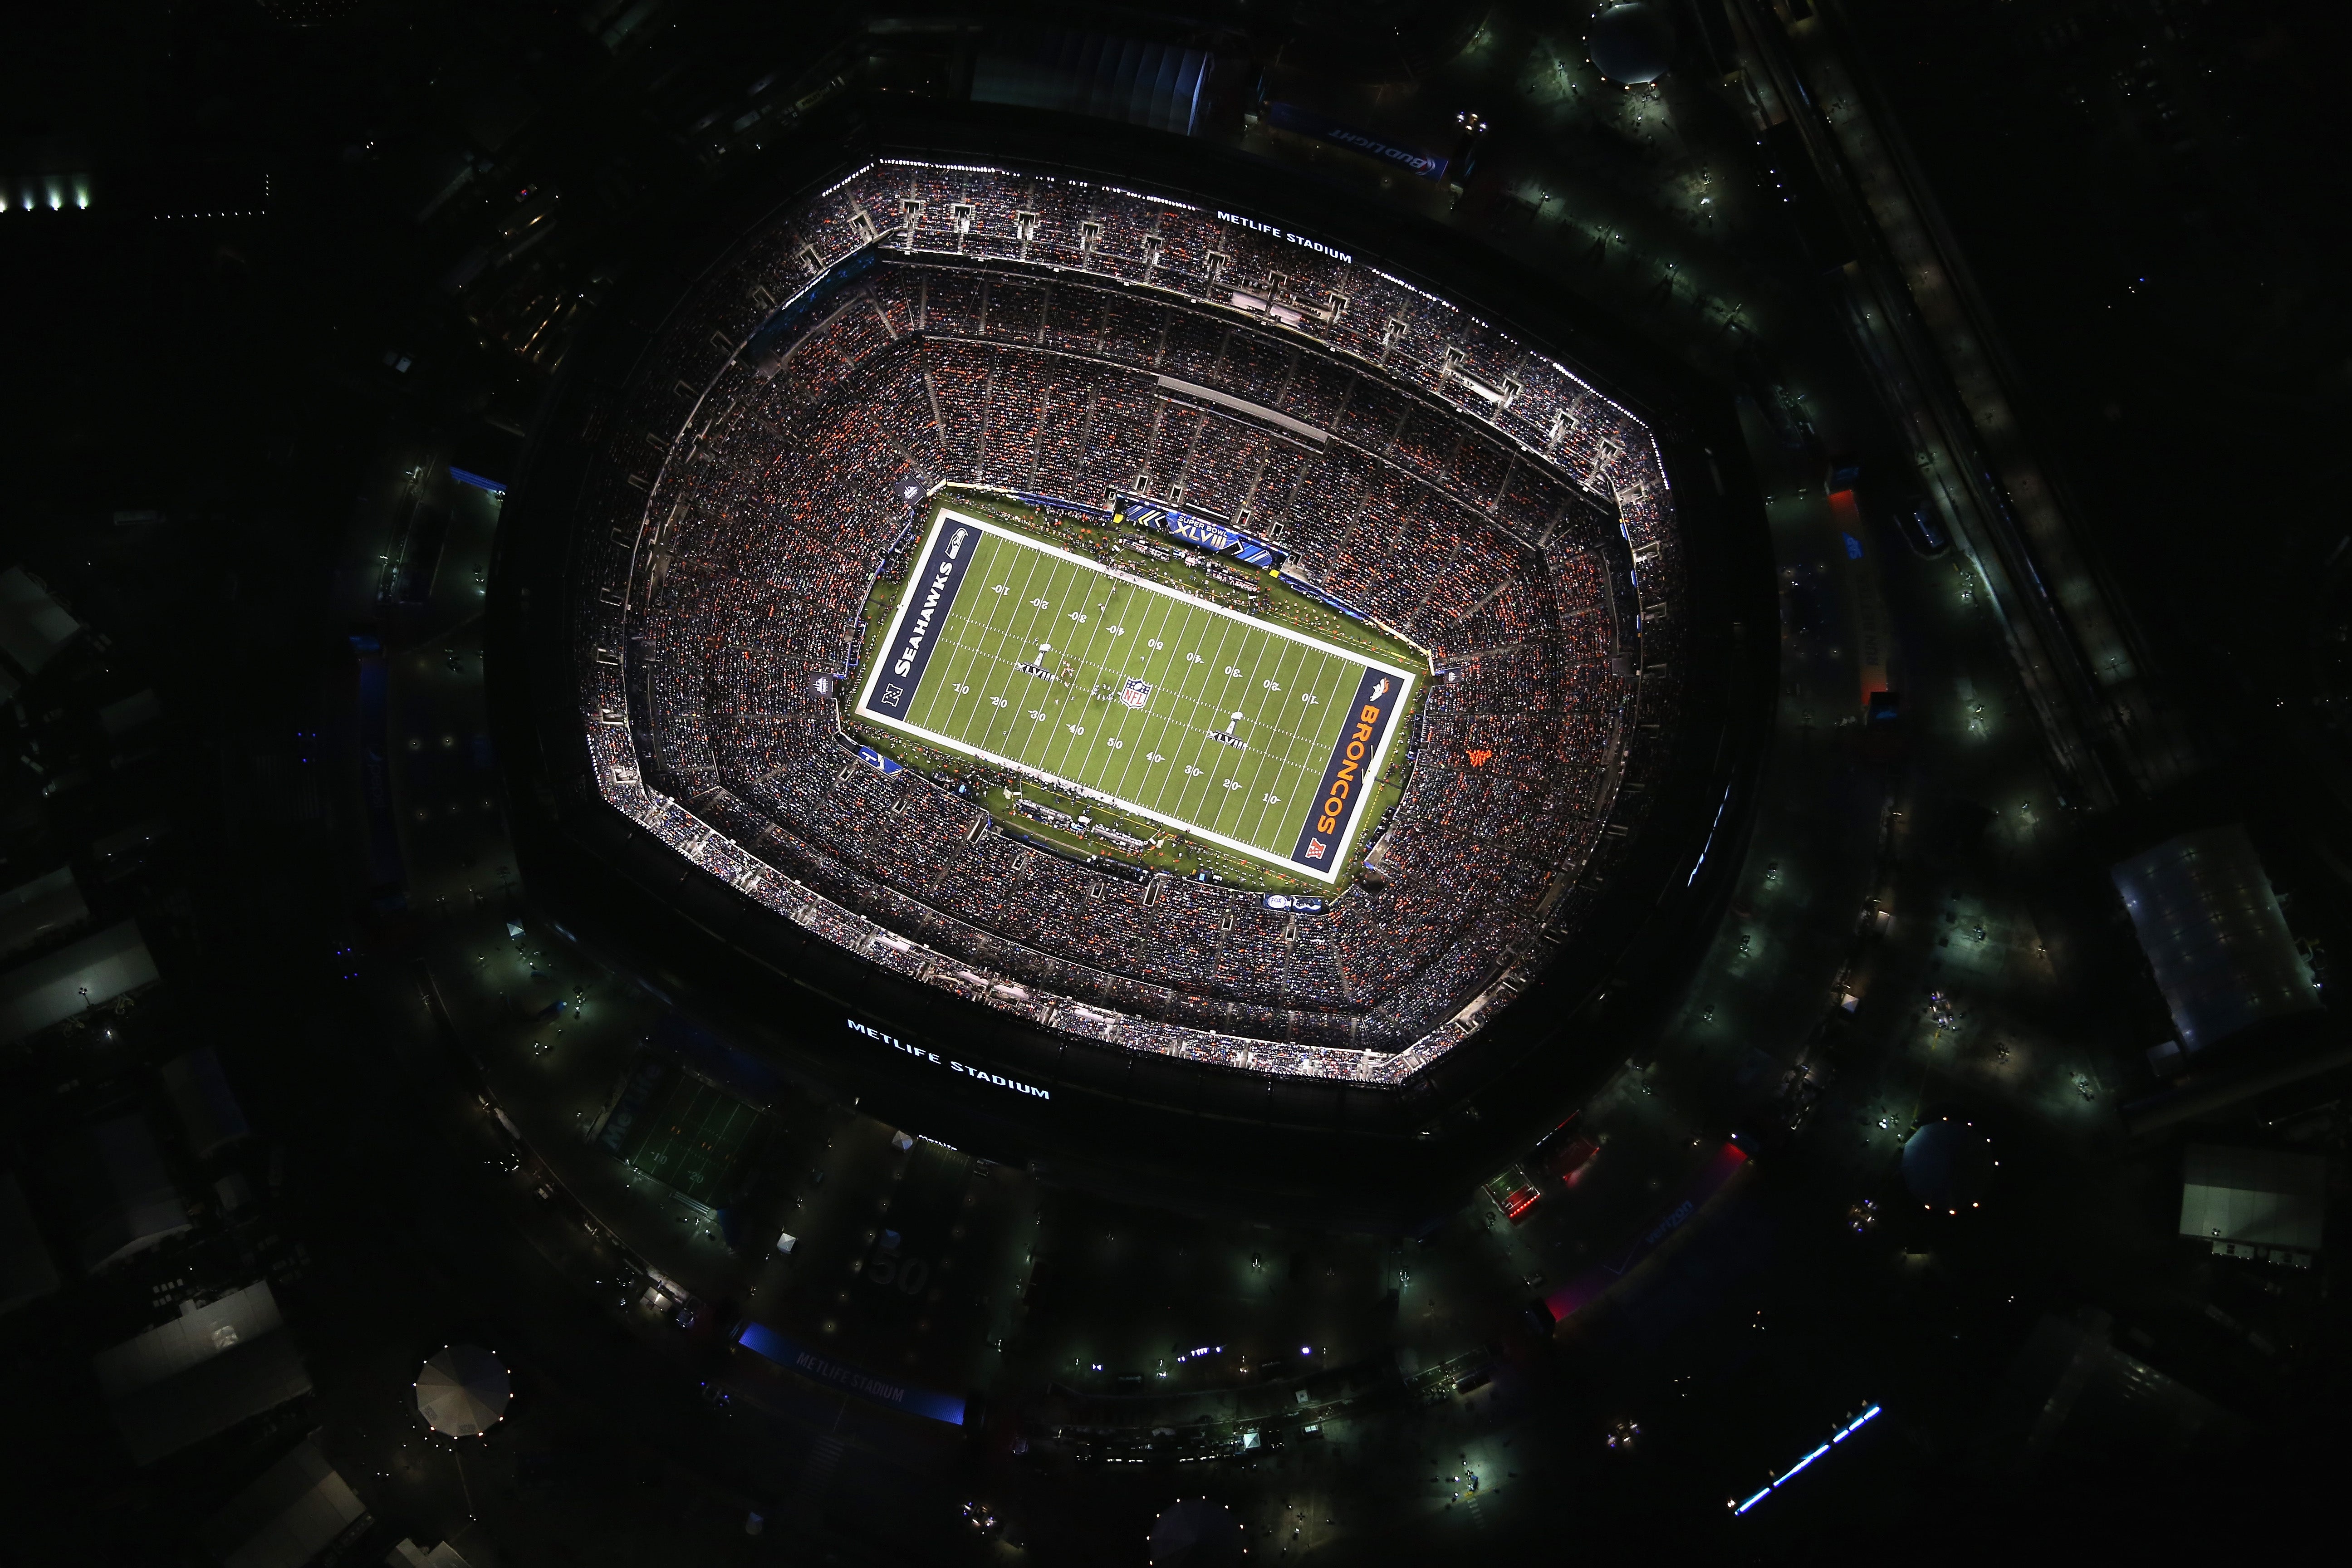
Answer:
(1372, 769)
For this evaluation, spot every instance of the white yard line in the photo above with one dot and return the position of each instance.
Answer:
(1277, 757)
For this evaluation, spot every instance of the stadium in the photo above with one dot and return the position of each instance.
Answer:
(1112, 666)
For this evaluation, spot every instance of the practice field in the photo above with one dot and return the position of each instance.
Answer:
(694, 1138)
(1246, 733)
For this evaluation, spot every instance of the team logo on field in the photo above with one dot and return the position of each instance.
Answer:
(1135, 693)
(1315, 848)
(1382, 690)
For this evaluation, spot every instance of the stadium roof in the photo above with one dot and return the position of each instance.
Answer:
(2258, 1197)
(202, 1373)
(286, 1517)
(1129, 79)
(27, 1272)
(2214, 935)
(1588, 480)
(56, 987)
(33, 910)
(199, 1094)
(1024, 1052)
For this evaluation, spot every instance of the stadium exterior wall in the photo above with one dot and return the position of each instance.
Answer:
(1170, 1131)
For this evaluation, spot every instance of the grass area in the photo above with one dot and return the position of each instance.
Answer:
(695, 1138)
(1189, 705)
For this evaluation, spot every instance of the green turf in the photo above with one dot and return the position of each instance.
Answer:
(694, 1138)
(1025, 603)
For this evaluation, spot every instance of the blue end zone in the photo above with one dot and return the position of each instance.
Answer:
(909, 653)
(1347, 777)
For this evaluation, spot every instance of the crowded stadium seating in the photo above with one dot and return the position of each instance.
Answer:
(1010, 331)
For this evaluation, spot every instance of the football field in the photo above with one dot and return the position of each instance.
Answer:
(1246, 733)
(694, 1138)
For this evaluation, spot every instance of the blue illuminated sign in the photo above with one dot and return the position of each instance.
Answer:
(818, 1367)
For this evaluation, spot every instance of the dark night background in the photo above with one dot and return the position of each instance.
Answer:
(300, 270)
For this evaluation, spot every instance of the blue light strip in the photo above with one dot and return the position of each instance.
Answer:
(1801, 1464)
(1856, 1426)
(1850, 1429)
(1721, 807)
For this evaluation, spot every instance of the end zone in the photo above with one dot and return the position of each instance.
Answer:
(1356, 757)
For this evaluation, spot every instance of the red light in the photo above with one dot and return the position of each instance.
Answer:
(1570, 1161)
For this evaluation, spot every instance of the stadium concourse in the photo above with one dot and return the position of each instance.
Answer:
(1073, 344)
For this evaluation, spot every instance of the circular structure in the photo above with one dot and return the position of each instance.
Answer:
(1240, 604)
(1167, 495)
(462, 1392)
(1947, 1165)
(1194, 1532)
(1632, 43)
(1158, 643)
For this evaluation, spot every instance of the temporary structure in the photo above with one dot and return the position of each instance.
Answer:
(462, 1392)
(215, 1365)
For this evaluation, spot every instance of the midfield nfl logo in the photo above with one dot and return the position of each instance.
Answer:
(1135, 693)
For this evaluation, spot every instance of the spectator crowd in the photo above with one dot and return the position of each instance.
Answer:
(1016, 333)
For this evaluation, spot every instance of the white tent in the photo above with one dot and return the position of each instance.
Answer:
(207, 1109)
(128, 1200)
(33, 912)
(408, 1555)
(212, 1366)
(33, 624)
(294, 1512)
(462, 1392)
(2253, 1197)
(27, 1273)
(84, 975)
